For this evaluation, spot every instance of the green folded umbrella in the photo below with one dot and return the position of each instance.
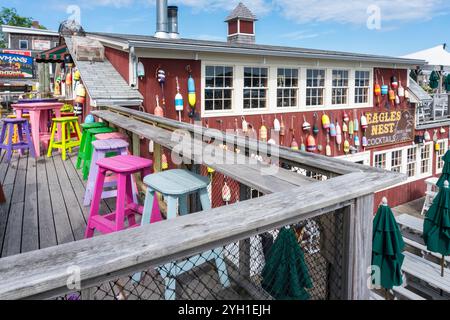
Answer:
(434, 80)
(447, 83)
(285, 274)
(436, 226)
(387, 247)
(445, 175)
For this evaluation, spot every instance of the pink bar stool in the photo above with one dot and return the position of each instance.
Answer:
(101, 148)
(123, 166)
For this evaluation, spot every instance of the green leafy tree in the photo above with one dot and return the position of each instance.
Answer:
(9, 16)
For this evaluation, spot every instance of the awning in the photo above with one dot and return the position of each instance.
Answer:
(56, 54)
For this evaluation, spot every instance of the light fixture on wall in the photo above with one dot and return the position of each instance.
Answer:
(140, 70)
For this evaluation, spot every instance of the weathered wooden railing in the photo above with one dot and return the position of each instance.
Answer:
(290, 198)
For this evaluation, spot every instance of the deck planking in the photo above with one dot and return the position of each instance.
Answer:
(44, 204)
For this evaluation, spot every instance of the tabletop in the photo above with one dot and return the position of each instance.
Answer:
(38, 105)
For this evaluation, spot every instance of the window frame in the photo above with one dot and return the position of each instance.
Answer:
(297, 89)
(358, 87)
(439, 156)
(223, 88)
(341, 87)
(20, 44)
(266, 89)
(324, 89)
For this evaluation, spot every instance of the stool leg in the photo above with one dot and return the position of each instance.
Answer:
(129, 200)
(30, 140)
(182, 201)
(10, 143)
(92, 176)
(78, 131)
(68, 136)
(81, 150)
(20, 137)
(171, 207)
(204, 199)
(63, 141)
(95, 202)
(120, 201)
(148, 206)
(52, 141)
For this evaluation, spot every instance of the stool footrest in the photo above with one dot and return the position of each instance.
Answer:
(107, 221)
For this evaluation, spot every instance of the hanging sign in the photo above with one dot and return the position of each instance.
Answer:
(390, 127)
(42, 45)
(19, 52)
(15, 66)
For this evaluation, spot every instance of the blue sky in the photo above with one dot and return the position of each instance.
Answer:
(406, 26)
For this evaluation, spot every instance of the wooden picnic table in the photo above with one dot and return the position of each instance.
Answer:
(39, 120)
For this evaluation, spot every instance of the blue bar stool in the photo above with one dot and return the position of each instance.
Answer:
(175, 186)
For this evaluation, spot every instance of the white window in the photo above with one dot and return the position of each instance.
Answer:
(380, 161)
(23, 44)
(315, 87)
(411, 162)
(396, 161)
(287, 87)
(414, 161)
(218, 88)
(340, 87)
(443, 145)
(255, 88)
(362, 86)
(425, 162)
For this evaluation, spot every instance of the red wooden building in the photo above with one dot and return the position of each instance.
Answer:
(239, 78)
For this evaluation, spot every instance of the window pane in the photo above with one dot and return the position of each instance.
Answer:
(216, 78)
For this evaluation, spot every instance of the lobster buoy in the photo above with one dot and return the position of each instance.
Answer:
(80, 100)
(392, 96)
(76, 75)
(80, 90)
(282, 127)
(350, 128)
(276, 125)
(357, 143)
(401, 90)
(57, 86)
(263, 131)
(161, 76)
(394, 82)
(69, 78)
(164, 162)
(346, 118)
(355, 124)
(325, 121)
(344, 128)
(384, 90)
(338, 135)
(226, 193)
(364, 123)
(178, 98)
(306, 125)
(346, 146)
(158, 110)
(192, 98)
(437, 147)
(294, 144)
(311, 144)
(377, 90)
(365, 143)
(89, 119)
(244, 125)
(333, 132)
(426, 136)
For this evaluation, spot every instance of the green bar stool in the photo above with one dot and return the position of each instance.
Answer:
(88, 150)
(66, 140)
(85, 127)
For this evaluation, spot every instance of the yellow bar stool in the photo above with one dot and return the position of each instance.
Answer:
(67, 142)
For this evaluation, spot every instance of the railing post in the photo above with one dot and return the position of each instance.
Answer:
(244, 245)
(358, 219)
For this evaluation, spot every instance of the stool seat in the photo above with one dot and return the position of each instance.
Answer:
(65, 119)
(14, 120)
(125, 163)
(86, 126)
(176, 182)
(110, 144)
(112, 135)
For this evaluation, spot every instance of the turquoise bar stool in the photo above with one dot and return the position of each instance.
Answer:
(176, 185)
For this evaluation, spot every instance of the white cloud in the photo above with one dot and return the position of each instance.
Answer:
(355, 11)
(258, 7)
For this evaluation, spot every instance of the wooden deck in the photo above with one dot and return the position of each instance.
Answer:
(44, 204)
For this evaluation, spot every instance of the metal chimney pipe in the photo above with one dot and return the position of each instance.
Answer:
(173, 22)
(162, 30)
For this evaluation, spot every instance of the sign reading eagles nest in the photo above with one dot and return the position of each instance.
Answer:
(389, 127)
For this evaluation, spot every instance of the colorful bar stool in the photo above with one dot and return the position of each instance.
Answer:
(85, 127)
(101, 148)
(66, 142)
(91, 136)
(175, 186)
(123, 167)
(16, 135)
(23, 129)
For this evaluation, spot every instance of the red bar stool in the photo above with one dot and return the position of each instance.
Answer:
(123, 166)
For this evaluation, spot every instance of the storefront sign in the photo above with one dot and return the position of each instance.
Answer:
(19, 52)
(15, 66)
(41, 45)
(389, 127)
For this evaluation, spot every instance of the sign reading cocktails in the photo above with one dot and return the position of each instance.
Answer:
(389, 127)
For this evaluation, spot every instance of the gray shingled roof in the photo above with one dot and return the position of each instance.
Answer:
(104, 84)
(195, 45)
(241, 12)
